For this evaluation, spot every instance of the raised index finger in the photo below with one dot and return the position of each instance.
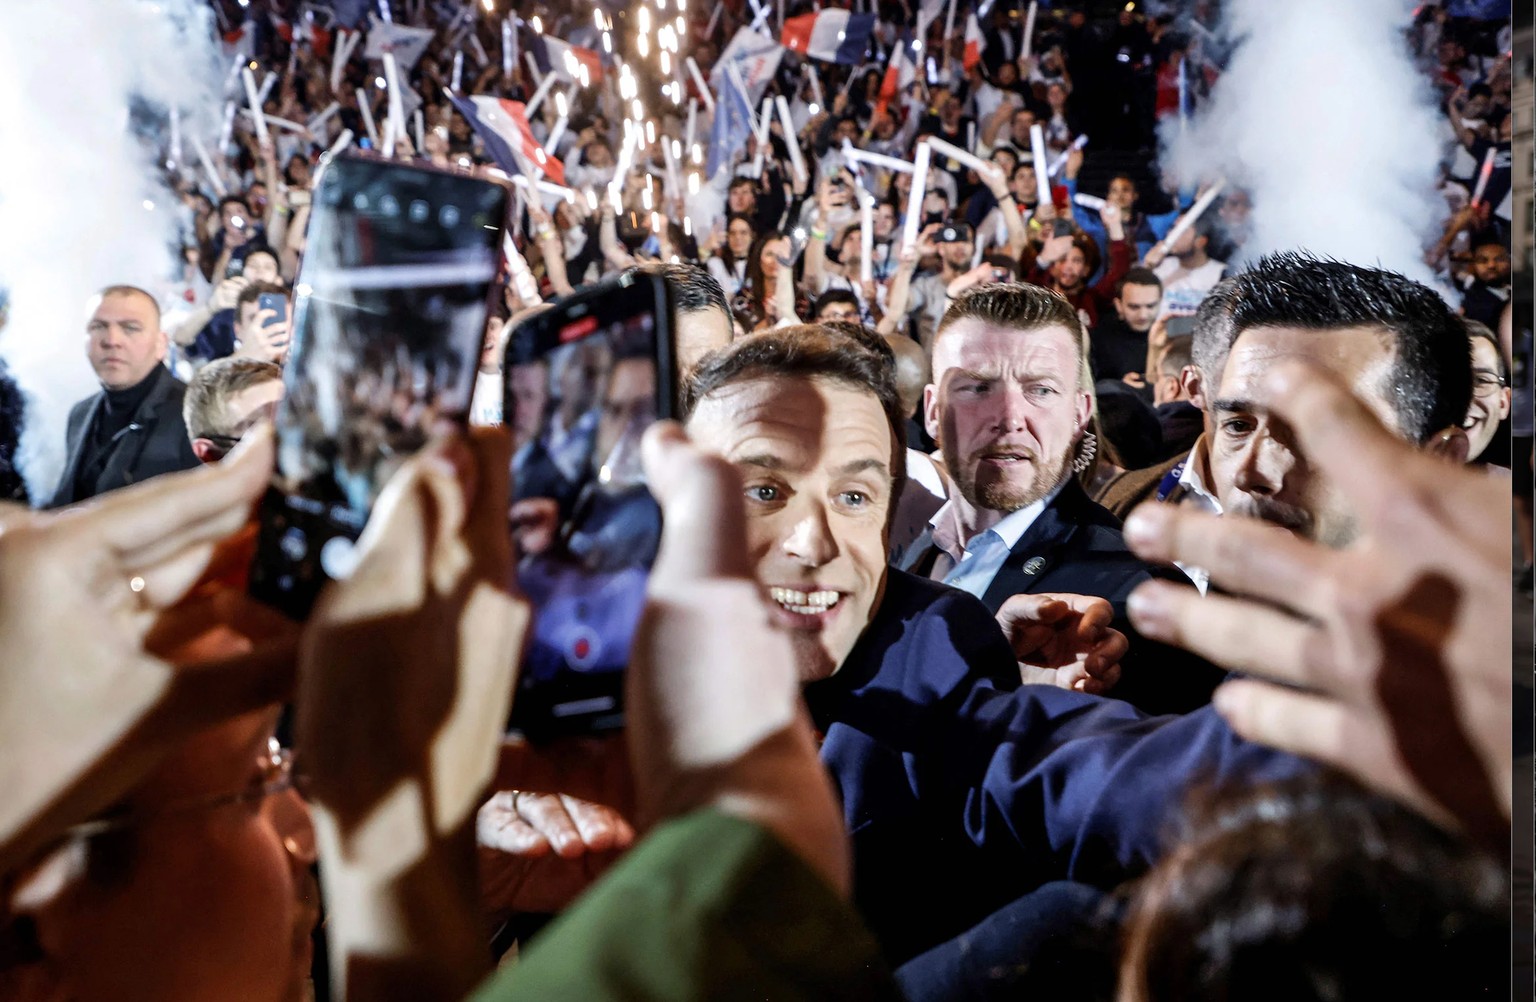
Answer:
(1343, 439)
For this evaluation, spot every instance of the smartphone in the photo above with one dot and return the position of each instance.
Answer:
(389, 312)
(582, 382)
(1180, 326)
(277, 303)
(1061, 227)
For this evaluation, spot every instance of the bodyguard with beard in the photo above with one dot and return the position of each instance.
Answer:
(1010, 406)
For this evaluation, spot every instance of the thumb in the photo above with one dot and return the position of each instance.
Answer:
(1030, 610)
(702, 514)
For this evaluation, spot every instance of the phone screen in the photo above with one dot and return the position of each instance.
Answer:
(389, 312)
(1180, 326)
(583, 382)
(277, 303)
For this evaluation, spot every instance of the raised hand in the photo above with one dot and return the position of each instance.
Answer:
(1064, 640)
(1388, 659)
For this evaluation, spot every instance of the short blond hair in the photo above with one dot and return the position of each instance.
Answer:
(1020, 306)
(205, 409)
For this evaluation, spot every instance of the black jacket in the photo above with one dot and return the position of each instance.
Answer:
(154, 442)
(1075, 547)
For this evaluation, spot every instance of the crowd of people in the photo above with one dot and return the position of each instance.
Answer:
(1055, 594)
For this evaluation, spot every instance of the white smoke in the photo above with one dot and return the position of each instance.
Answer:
(1323, 117)
(81, 204)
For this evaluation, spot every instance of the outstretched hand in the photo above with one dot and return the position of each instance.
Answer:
(127, 630)
(1388, 659)
(1064, 640)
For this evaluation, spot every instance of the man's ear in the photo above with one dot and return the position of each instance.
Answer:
(931, 411)
(1189, 379)
(205, 451)
(1451, 444)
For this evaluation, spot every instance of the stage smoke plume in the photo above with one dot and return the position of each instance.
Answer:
(1323, 117)
(85, 88)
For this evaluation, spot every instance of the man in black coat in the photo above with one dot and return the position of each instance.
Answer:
(1010, 406)
(133, 429)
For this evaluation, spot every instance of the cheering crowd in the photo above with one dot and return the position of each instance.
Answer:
(1056, 597)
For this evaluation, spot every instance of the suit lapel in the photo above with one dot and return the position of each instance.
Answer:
(131, 445)
(915, 550)
(65, 493)
(1037, 554)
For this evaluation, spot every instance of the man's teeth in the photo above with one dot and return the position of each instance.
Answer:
(804, 603)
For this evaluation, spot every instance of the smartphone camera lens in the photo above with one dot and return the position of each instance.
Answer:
(294, 544)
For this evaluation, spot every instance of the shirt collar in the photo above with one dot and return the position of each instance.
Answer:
(945, 525)
(1196, 474)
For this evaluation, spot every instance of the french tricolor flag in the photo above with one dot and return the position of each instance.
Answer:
(900, 72)
(551, 55)
(832, 35)
(503, 126)
(975, 42)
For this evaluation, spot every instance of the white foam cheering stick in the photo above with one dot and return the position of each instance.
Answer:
(1029, 28)
(1482, 177)
(202, 157)
(367, 113)
(866, 234)
(698, 79)
(851, 152)
(318, 122)
(342, 142)
(954, 152)
(538, 96)
(1061, 161)
(175, 144)
(1195, 212)
(915, 197)
(254, 101)
(1037, 149)
(791, 140)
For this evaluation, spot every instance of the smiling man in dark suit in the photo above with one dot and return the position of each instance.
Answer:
(1010, 406)
(132, 429)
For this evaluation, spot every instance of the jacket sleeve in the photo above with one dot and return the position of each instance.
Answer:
(707, 906)
(1082, 786)
(1119, 263)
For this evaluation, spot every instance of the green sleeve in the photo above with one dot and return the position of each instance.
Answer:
(706, 907)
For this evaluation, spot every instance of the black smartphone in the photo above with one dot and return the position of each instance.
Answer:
(1180, 326)
(389, 312)
(277, 303)
(1062, 227)
(582, 381)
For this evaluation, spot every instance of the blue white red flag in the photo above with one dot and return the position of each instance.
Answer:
(565, 60)
(832, 35)
(503, 126)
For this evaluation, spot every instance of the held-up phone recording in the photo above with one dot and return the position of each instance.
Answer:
(1180, 326)
(389, 312)
(277, 303)
(583, 381)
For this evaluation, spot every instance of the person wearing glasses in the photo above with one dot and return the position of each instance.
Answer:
(198, 884)
(1490, 392)
(225, 399)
